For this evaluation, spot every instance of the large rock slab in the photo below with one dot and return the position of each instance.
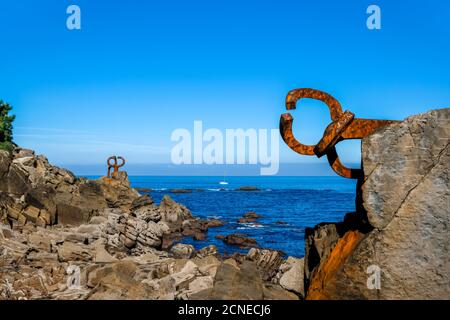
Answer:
(407, 199)
(241, 282)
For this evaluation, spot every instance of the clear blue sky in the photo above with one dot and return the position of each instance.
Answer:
(137, 70)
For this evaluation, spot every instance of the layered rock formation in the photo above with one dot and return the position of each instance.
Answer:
(63, 237)
(35, 191)
(397, 245)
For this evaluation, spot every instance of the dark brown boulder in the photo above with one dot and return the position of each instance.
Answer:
(249, 217)
(180, 190)
(214, 223)
(145, 190)
(240, 240)
(248, 188)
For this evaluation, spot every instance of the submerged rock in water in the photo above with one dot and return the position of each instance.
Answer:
(249, 217)
(180, 190)
(248, 188)
(239, 239)
(213, 223)
(144, 190)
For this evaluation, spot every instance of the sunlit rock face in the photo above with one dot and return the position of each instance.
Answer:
(397, 246)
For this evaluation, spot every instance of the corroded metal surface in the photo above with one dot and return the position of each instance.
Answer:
(344, 126)
(113, 164)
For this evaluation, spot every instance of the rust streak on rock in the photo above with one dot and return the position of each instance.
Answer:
(326, 273)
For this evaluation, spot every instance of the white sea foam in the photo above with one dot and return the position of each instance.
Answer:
(214, 217)
(250, 226)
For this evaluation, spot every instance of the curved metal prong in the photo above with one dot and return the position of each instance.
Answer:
(123, 162)
(114, 158)
(288, 137)
(296, 94)
(339, 168)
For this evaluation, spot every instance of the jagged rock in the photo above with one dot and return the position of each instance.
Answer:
(207, 265)
(181, 250)
(92, 230)
(118, 191)
(101, 255)
(5, 162)
(39, 259)
(98, 220)
(276, 292)
(195, 228)
(200, 284)
(267, 261)
(147, 213)
(185, 276)
(141, 201)
(168, 239)
(319, 241)
(241, 283)
(136, 231)
(42, 197)
(292, 278)
(71, 238)
(40, 241)
(57, 193)
(173, 212)
(233, 283)
(152, 234)
(161, 289)
(406, 196)
(117, 281)
(70, 251)
(206, 251)
(22, 153)
(16, 180)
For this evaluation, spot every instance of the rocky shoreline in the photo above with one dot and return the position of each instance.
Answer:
(63, 237)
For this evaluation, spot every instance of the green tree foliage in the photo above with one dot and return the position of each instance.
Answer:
(6, 127)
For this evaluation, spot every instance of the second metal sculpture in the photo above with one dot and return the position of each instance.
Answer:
(113, 164)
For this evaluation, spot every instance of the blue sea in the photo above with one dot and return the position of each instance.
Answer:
(299, 202)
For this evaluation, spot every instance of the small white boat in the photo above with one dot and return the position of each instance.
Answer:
(223, 182)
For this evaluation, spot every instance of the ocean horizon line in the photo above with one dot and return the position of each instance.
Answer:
(285, 169)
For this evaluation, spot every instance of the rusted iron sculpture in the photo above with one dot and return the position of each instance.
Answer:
(114, 165)
(344, 126)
